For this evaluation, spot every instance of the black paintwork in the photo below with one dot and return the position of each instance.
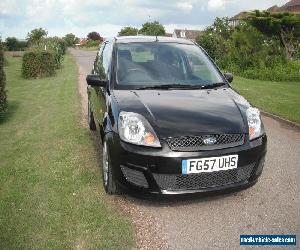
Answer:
(173, 112)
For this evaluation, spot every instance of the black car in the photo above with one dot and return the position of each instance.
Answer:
(169, 121)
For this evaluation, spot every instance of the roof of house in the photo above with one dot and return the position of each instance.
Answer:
(239, 16)
(189, 34)
(274, 8)
(291, 3)
(168, 34)
(291, 6)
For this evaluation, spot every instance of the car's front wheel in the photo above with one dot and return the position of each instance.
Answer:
(107, 177)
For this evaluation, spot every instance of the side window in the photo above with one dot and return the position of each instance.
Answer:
(106, 57)
(98, 58)
(101, 61)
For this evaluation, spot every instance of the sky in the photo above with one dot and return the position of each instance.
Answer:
(59, 17)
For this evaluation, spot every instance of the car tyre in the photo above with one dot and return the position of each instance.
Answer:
(91, 120)
(109, 183)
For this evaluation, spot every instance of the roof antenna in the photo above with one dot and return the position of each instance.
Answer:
(156, 40)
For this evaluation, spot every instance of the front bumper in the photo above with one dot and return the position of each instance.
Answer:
(158, 170)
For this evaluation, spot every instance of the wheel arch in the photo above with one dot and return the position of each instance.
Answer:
(106, 127)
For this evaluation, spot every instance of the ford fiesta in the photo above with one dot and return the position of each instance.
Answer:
(169, 121)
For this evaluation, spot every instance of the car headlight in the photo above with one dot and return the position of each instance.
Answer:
(254, 123)
(135, 129)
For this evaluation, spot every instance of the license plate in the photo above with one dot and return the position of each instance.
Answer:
(211, 164)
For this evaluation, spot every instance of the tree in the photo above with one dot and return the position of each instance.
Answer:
(94, 36)
(214, 39)
(152, 29)
(3, 101)
(11, 43)
(285, 26)
(222, 27)
(250, 48)
(128, 31)
(71, 39)
(36, 35)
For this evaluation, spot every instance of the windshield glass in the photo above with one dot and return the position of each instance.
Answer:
(155, 64)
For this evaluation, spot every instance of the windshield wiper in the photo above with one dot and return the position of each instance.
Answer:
(183, 86)
(170, 86)
(213, 85)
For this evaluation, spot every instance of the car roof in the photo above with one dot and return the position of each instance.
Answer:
(147, 39)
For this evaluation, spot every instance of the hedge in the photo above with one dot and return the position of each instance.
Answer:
(3, 101)
(38, 63)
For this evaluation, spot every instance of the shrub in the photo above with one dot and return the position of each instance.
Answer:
(71, 40)
(282, 71)
(58, 46)
(55, 45)
(38, 63)
(249, 52)
(3, 101)
(92, 43)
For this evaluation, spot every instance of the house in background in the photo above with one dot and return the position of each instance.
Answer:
(168, 34)
(82, 42)
(291, 6)
(235, 20)
(187, 34)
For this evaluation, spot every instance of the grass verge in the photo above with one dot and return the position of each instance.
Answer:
(94, 48)
(279, 98)
(51, 195)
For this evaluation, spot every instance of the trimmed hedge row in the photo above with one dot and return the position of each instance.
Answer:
(3, 101)
(38, 63)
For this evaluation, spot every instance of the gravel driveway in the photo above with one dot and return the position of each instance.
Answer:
(272, 206)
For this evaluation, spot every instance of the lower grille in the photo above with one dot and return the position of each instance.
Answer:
(135, 177)
(203, 180)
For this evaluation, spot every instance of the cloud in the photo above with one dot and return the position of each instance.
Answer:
(17, 17)
(216, 4)
(185, 6)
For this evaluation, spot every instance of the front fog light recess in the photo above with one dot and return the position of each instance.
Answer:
(135, 129)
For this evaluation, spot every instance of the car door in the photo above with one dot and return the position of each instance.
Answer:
(102, 68)
(93, 90)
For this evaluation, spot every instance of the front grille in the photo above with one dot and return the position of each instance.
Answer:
(203, 180)
(135, 177)
(190, 143)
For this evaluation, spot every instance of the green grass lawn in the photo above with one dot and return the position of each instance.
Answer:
(279, 98)
(50, 187)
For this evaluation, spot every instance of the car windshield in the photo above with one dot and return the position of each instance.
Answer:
(146, 65)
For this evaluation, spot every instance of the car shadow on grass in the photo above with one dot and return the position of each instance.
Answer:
(11, 110)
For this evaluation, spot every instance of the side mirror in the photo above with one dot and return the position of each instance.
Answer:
(94, 80)
(229, 77)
